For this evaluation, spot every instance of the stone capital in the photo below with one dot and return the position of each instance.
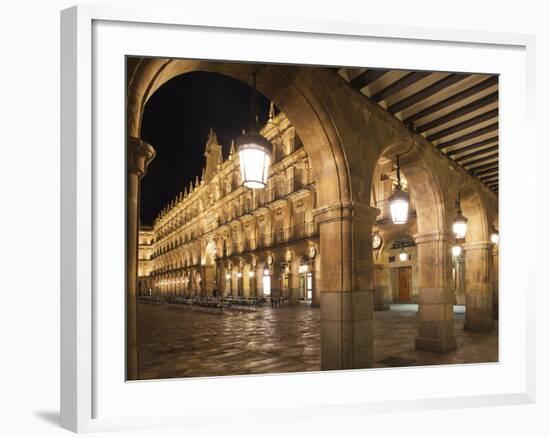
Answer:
(334, 212)
(347, 211)
(139, 155)
(473, 246)
(433, 236)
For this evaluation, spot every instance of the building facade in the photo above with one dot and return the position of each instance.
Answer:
(220, 238)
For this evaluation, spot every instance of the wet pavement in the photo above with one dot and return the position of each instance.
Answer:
(180, 341)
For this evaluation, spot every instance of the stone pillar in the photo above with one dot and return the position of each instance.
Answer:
(208, 278)
(139, 155)
(381, 287)
(460, 273)
(479, 290)
(347, 286)
(317, 283)
(435, 294)
(258, 278)
(494, 280)
(252, 282)
(239, 281)
(294, 286)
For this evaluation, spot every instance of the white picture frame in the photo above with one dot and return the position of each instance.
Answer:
(85, 173)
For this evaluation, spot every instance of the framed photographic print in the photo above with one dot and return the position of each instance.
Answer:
(257, 209)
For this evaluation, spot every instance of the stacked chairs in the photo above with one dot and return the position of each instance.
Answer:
(276, 301)
(225, 302)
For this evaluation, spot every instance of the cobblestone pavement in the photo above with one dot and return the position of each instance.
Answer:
(177, 341)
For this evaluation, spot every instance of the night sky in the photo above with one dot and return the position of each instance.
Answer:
(176, 122)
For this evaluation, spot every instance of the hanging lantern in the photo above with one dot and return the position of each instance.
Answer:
(254, 151)
(266, 269)
(399, 201)
(302, 269)
(494, 236)
(228, 276)
(403, 256)
(456, 250)
(250, 274)
(460, 224)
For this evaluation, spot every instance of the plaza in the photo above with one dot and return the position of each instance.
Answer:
(179, 341)
(368, 214)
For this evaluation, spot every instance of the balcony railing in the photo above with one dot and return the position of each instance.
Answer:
(264, 197)
(296, 232)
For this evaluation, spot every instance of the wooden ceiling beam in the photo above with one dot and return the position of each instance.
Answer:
(493, 80)
(462, 111)
(400, 84)
(367, 78)
(464, 125)
(479, 160)
(476, 170)
(469, 136)
(477, 153)
(489, 174)
(488, 170)
(473, 146)
(425, 93)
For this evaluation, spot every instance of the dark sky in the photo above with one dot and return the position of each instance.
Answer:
(176, 122)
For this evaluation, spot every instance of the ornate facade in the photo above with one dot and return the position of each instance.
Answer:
(220, 238)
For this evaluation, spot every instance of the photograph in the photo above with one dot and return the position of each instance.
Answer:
(265, 236)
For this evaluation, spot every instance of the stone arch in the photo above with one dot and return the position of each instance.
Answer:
(478, 260)
(475, 210)
(284, 86)
(424, 185)
(340, 131)
(427, 187)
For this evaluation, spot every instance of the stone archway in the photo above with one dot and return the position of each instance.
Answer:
(426, 183)
(478, 261)
(291, 90)
(344, 134)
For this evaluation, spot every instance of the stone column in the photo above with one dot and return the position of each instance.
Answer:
(479, 290)
(294, 285)
(460, 280)
(381, 288)
(347, 286)
(435, 294)
(494, 280)
(317, 282)
(239, 284)
(208, 277)
(139, 155)
(258, 277)
(252, 282)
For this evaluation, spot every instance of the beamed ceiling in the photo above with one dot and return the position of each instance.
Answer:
(456, 112)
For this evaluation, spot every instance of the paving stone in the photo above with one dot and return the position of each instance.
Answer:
(179, 342)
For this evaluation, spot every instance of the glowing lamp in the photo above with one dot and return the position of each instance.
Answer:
(456, 250)
(250, 274)
(460, 224)
(399, 201)
(254, 151)
(227, 276)
(494, 237)
(399, 206)
(254, 158)
(303, 267)
(403, 256)
(239, 274)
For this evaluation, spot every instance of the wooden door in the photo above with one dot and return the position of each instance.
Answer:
(405, 277)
